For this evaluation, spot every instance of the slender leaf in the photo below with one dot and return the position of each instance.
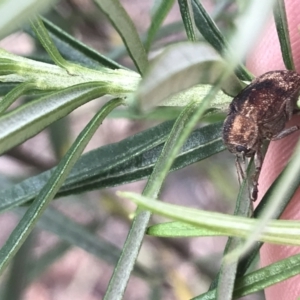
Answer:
(220, 103)
(126, 161)
(44, 38)
(36, 209)
(165, 31)
(261, 279)
(265, 277)
(124, 25)
(161, 11)
(213, 35)
(227, 274)
(208, 28)
(242, 208)
(176, 139)
(283, 34)
(15, 93)
(278, 231)
(74, 50)
(180, 229)
(28, 120)
(17, 281)
(187, 19)
(195, 63)
(67, 43)
(14, 12)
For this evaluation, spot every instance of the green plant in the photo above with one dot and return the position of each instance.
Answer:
(190, 76)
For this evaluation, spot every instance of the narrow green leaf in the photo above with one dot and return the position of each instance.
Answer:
(17, 280)
(187, 19)
(161, 11)
(213, 35)
(44, 38)
(65, 40)
(267, 276)
(279, 231)
(91, 165)
(227, 274)
(195, 63)
(261, 279)
(36, 209)
(220, 102)
(14, 12)
(208, 28)
(165, 31)
(124, 25)
(74, 50)
(283, 34)
(180, 229)
(179, 132)
(242, 208)
(15, 93)
(128, 160)
(28, 120)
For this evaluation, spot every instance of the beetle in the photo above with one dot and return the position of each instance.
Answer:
(260, 112)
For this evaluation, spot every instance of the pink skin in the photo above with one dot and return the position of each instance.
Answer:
(265, 57)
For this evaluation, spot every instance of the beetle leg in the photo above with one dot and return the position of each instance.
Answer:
(285, 133)
(239, 169)
(291, 105)
(258, 160)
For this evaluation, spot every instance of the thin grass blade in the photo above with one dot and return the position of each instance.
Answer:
(161, 10)
(187, 19)
(124, 25)
(283, 34)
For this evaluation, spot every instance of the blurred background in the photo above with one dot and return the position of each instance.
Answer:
(50, 268)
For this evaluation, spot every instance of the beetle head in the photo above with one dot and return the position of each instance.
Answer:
(240, 135)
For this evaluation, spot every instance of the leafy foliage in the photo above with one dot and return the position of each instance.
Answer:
(192, 77)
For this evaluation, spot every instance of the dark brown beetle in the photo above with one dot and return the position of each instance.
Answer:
(259, 112)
